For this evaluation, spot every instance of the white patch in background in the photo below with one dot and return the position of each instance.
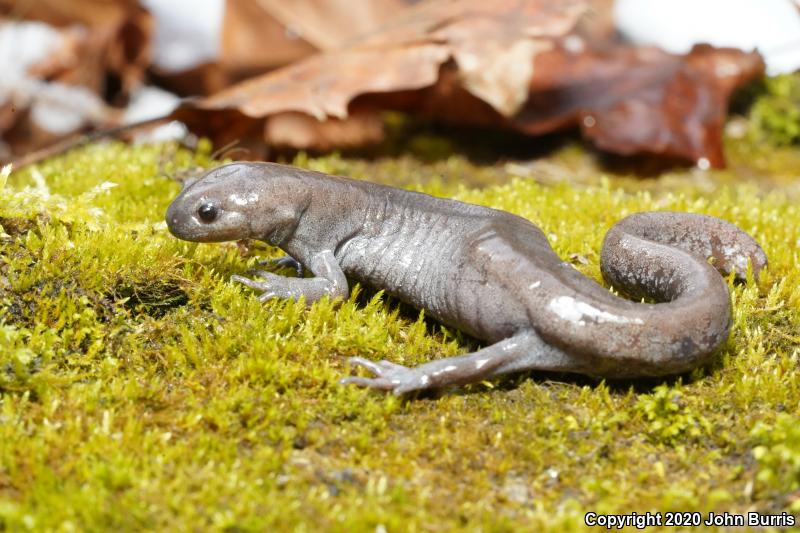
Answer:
(25, 44)
(187, 32)
(771, 26)
(151, 102)
(572, 310)
(61, 109)
(54, 107)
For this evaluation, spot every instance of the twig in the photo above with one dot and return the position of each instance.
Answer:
(76, 141)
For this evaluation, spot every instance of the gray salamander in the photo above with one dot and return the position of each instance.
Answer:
(486, 272)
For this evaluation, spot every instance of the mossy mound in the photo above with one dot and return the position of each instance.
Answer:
(141, 390)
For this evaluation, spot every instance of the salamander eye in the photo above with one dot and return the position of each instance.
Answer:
(207, 212)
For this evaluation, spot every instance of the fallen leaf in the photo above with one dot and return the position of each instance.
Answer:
(407, 55)
(300, 131)
(37, 106)
(63, 60)
(534, 67)
(630, 100)
(118, 36)
(256, 36)
(329, 24)
(253, 40)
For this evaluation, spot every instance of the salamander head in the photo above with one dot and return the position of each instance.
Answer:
(239, 201)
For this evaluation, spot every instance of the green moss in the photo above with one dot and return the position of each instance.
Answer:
(775, 114)
(669, 421)
(142, 390)
(778, 456)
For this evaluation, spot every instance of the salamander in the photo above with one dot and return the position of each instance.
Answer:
(486, 272)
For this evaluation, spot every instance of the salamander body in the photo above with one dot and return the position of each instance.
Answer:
(486, 272)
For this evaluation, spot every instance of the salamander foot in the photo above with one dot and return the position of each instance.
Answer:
(267, 287)
(390, 376)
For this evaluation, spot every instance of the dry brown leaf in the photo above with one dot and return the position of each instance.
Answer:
(254, 41)
(261, 35)
(331, 24)
(103, 52)
(38, 104)
(669, 105)
(118, 40)
(534, 67)
(408, 55)
(639, 100)
(298, 130)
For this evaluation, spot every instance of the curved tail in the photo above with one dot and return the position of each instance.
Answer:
(662, 256)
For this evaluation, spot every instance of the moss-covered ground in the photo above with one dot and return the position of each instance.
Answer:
(141, 390)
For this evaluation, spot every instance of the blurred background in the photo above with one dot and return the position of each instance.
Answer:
(632, 78)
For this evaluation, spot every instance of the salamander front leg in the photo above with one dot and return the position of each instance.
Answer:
(524, 351)
(329, 281)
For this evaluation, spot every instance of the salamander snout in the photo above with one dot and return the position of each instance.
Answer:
(172, 220)
(176, 218)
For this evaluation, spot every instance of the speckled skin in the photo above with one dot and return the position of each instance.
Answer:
(486, 272)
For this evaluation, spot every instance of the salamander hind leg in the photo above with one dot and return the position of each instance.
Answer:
(524, 351)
